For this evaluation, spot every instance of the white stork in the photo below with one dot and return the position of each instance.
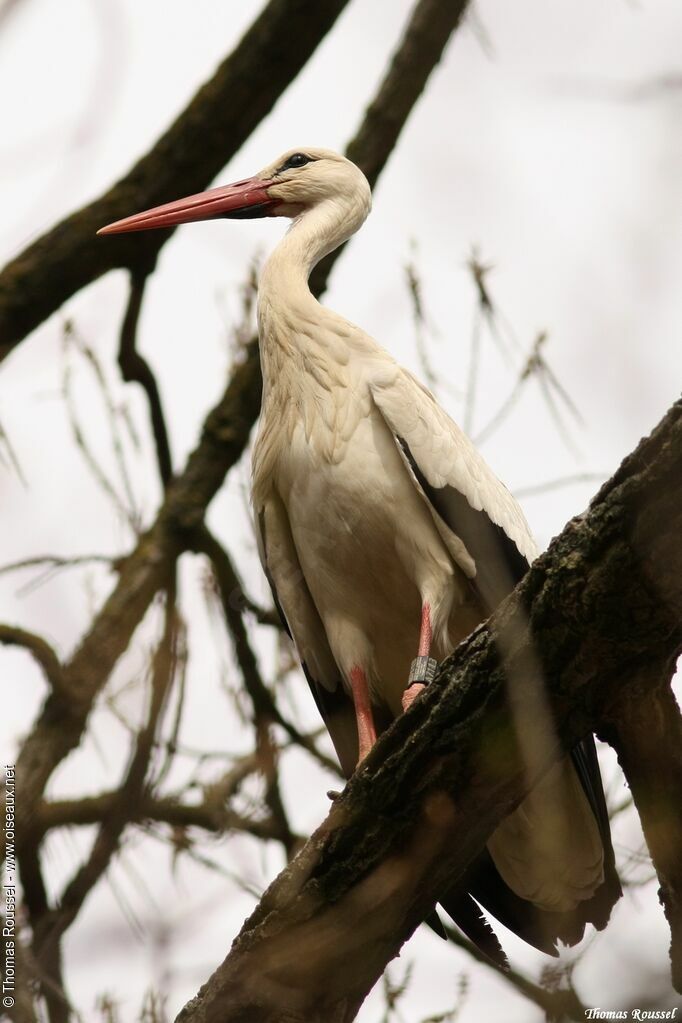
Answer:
(386, 539)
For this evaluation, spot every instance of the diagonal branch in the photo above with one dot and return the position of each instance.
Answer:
(602, 604)
(185, 159)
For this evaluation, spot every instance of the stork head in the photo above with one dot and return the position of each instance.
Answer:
(295, 183)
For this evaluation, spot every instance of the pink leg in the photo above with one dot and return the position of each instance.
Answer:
(367, 735)
(425, 637)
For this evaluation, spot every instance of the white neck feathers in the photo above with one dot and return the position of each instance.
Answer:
(312, 235)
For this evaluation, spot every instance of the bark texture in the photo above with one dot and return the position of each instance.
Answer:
(599, 618)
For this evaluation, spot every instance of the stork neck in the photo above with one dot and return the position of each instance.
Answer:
(312, 235)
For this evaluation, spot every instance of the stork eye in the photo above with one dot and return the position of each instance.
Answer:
(297, 160)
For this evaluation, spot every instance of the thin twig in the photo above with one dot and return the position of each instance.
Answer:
(53, 565)
(135, 368)
(535, 489)
(113, 416)
(560, 1004)
(414, 287)
(55, 562)
(83, 445)
(40, 650)
(11, 455)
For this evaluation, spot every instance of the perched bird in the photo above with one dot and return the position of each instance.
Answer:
(386, 539)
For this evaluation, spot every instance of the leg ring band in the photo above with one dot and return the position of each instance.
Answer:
(422, 670)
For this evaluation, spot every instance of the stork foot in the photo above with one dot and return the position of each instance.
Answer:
(411, 694)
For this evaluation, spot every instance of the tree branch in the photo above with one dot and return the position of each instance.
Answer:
(210, 814)
(134, 367)
(212, 128)
(594, 610)
(41, 651)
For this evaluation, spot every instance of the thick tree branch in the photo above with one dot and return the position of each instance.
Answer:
(594, 611)
(185, 159)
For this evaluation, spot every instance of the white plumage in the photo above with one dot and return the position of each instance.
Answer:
(384, 534)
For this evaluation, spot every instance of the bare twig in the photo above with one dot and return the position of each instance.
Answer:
(41, 651)
(426, 35)
(472, 376)
(414, 287)
(53, 563)
(535, 489)
(211, 814)
(535, 367)
(562, 1003)
(11, 454)
(112, 413)
(134, 367)
(126, 510)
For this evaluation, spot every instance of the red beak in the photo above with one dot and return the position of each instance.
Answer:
(244, 199)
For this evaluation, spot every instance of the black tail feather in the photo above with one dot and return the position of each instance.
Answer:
(469, 918)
